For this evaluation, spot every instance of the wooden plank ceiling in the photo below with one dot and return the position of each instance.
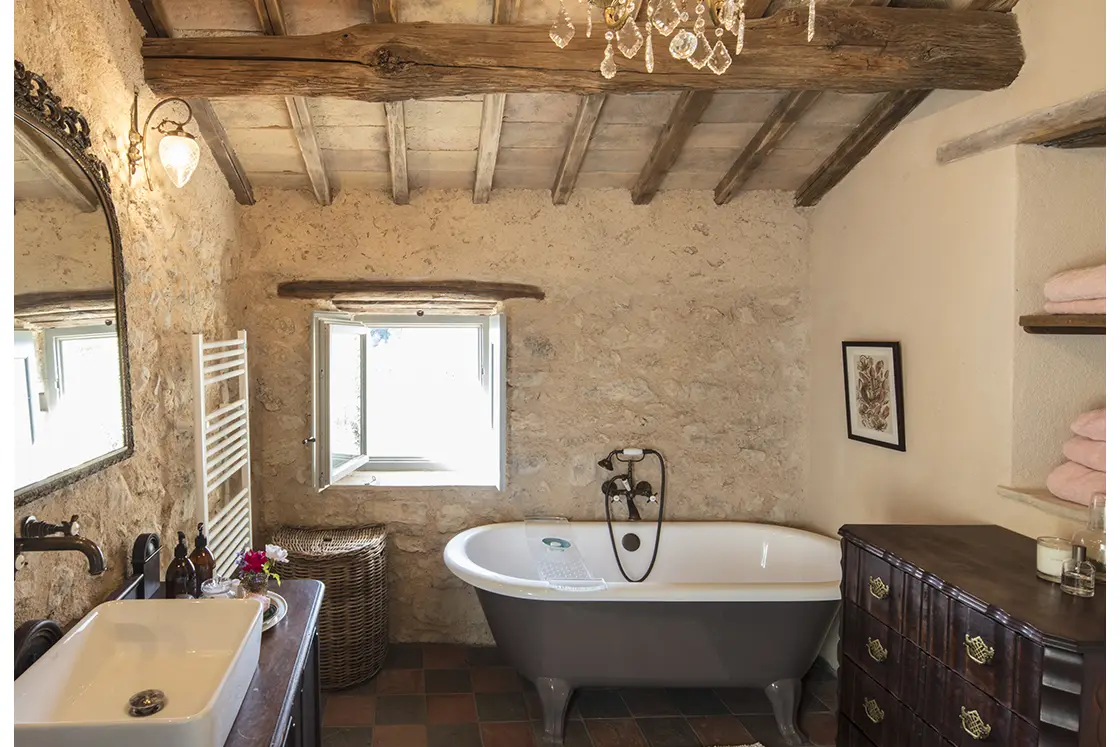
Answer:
(725, 141)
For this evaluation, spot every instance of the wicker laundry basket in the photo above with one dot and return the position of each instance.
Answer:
(353, 623)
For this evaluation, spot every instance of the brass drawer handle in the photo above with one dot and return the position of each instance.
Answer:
(873, 711)
(879, 590)
(977, 650)
(974, 726)
(875, 648)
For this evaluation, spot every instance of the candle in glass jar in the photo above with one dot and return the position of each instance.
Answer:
(1051, 553)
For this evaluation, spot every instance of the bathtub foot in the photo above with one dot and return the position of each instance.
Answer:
(785, 698)
(555, 694)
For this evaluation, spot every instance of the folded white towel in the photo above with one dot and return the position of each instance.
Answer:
(1075, 482)
(1082, 306)
(1074, 285)
(1085, 451)
(1090, 425)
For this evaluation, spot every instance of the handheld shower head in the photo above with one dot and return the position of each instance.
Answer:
(607, 463)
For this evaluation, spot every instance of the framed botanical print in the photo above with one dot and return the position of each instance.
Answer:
(873, 393)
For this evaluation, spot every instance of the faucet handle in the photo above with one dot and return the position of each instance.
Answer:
(72, 527)
(652, 498)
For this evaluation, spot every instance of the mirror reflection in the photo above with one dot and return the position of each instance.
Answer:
(67, 369)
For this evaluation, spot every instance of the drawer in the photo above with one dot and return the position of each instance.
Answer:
(970, 717)
(876, 648)
(989, 656)
(888, 593)
(877, 714)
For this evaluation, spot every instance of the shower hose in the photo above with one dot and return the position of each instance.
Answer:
(660, 518)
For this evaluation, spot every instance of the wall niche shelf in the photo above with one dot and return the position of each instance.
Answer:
(1063, 324)
(1045, 501)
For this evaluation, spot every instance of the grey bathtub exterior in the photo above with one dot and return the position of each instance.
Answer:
(562, 645)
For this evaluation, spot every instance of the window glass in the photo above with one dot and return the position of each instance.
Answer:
(345, 395)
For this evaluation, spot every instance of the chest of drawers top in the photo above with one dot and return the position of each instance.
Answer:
(989, 569)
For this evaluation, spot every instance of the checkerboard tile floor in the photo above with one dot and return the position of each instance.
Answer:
(441, 695)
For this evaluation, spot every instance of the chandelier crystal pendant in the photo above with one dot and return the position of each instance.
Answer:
(625, 21)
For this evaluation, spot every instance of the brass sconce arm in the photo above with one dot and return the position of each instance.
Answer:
(138, 138)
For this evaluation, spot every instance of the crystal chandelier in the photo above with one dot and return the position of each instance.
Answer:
(690, 42)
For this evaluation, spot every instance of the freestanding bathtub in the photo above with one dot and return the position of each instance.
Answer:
(727, 604)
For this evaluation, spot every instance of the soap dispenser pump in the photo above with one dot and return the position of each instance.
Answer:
(179, 582)
(203, 562)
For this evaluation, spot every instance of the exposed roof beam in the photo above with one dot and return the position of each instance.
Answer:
(493, 110)
(887, 114)
(858, 49)
(385, 11)
(271, 15)
(582, 128)
(212, 131)
(687, 110)
(56, 167)
(785, 115)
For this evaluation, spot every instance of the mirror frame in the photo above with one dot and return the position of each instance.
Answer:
(40, 107)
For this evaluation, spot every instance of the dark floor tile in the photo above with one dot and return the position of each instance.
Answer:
(501, 707)
(533, 706)
(404, 735)
(400, 709)
(620, 732)
(485, 656)
(824, 691)
(695, 701)
(575, 734)
(347, 736)
(714, 731)
(447, 680)
(452, 709)
(820, 728)
(445, 656)
(509, 734)
(453, 735)
(668, 732)
(404, 656)
(651, 701)
(762, 729)
(811, 704)
(399, 682)
(596, 702)
(745, 701)
(348, 710)
(495, 680)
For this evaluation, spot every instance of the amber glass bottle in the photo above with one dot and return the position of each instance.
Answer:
(203, 562)
(179, 583)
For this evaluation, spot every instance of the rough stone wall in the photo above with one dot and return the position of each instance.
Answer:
(682, 326)
(175, 242)
(58, 247)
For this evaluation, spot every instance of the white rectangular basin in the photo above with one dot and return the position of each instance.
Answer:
(202, 654)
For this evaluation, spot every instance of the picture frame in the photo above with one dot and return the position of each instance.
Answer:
(873, 393)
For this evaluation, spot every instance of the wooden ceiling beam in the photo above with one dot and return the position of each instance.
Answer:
(213, 133)
(686, 113)
(493, 111)
(385, 11)
(271, 15)
(587, 116)
(879, 122)
(856, 49)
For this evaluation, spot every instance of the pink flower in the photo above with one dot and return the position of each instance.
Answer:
(254, 561)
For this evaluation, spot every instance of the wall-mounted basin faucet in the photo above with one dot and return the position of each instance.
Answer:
(42, 536)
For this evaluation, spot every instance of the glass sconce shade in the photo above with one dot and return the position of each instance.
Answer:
(179, 156)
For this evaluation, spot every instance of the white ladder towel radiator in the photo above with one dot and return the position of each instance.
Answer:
(221, 447)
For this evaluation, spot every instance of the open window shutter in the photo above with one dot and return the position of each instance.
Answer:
(344, 342)
(497, 371)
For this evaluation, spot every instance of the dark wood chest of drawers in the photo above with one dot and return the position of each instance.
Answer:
(949, 639)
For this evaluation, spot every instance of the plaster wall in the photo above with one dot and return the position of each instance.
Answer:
(175, 242)
(905, 249)
(683, 328)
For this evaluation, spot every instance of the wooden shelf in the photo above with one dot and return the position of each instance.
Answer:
(1045, 501)
(1063, 324)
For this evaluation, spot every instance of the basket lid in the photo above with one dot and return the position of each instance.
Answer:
(330, 542)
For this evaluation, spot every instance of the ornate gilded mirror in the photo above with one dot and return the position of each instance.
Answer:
(72, 411)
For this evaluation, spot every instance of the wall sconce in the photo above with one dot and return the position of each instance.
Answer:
(178, 149)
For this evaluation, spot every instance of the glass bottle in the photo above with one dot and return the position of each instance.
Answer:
(1092, 536)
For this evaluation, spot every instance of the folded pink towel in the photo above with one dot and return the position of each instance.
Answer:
(1085, 451)
(1083, 306)
(1075, 482)
(1074, 285)
(1090, 425)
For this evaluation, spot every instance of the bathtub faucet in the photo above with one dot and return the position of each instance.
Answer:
(618, 487)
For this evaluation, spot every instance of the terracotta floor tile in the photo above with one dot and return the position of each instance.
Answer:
(400, 709)
(512, 734)
(575, 734)
(399, 682)
(485, 656)
(451, 709)
(447, 680)
(348, 710)
(444, 656)
(697, 701)
(648, 701)
(403, 735)
(820, 728)
(597, 702)
(501, 707)
(745, 701)
(622, 732)
(347, 736)
(668, 732)
(454, 735)
(719, 730)
(495, 680)
(404, 656)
